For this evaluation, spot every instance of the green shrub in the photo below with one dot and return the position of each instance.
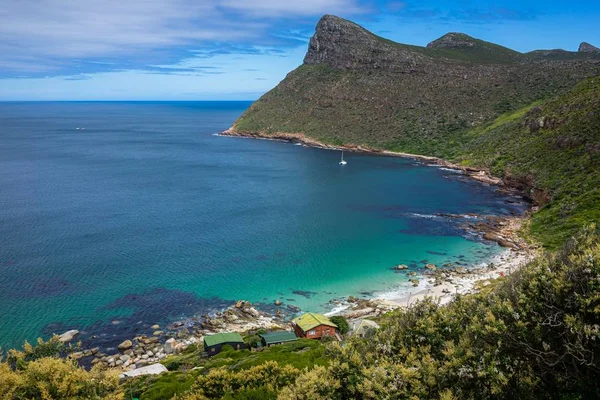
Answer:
(342, 323)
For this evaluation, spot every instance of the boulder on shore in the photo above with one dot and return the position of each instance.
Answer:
(154, 369)
(170, 346)
(127, 344)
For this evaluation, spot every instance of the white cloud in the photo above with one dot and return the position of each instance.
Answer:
(45, 34)
(293, 8)
(237, 81)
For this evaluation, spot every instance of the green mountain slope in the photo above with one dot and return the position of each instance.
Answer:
(552, 150)
(459, 98)
(357, 88)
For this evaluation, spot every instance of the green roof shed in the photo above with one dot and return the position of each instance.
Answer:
(278, 337)
(214, 343)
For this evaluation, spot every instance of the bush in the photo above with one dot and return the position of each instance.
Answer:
(342, 323)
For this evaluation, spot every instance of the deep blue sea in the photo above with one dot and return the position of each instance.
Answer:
(137, 212)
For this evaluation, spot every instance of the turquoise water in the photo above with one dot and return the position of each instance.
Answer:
(143, 215)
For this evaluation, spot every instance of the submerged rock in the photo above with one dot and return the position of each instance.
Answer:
(68, 335)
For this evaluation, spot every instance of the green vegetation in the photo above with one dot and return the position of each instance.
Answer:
(530, 118)
(341, 323)
(189, 365)
(49, 378)
(551, 149)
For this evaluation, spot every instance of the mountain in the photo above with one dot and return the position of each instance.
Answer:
(585, 47)
(356, 89)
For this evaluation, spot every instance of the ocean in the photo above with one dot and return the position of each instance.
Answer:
(119, 215)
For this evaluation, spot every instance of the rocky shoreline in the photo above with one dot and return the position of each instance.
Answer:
(439, 282)
(159, 343)
(481, 175)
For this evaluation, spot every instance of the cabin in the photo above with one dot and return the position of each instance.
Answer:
(271, 338)
(363, 328)
(213, 344)
(314, 326)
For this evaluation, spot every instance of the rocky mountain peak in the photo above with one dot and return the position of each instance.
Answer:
(342, 44)
(585, 47)
(453, 40)
(335, 40)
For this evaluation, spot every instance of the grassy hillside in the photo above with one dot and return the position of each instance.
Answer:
(416, 114)
(357, 88)
(551, 148)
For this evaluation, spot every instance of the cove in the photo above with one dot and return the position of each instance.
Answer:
(144, 214)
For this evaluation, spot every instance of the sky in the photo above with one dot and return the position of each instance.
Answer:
(236, 49)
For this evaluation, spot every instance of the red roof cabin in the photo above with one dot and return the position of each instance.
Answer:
(314, 326)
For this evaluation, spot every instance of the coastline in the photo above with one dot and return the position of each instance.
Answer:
(478, 174)
(443, 284)
(502, 230)
(440, 283)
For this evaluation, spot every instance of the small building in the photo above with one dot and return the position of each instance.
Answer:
(271, 338)
(363, 328)
(213, 344)
(314, 326)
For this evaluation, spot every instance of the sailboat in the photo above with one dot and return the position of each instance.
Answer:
(342, 162)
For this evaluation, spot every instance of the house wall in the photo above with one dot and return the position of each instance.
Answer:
(216, 349)
(315, 333)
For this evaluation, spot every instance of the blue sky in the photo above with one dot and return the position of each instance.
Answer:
(235, 49)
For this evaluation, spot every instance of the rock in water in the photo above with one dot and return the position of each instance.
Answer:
(401, 267)
(68, 335)
(585, 47)
(431, 267)
(127, 344)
